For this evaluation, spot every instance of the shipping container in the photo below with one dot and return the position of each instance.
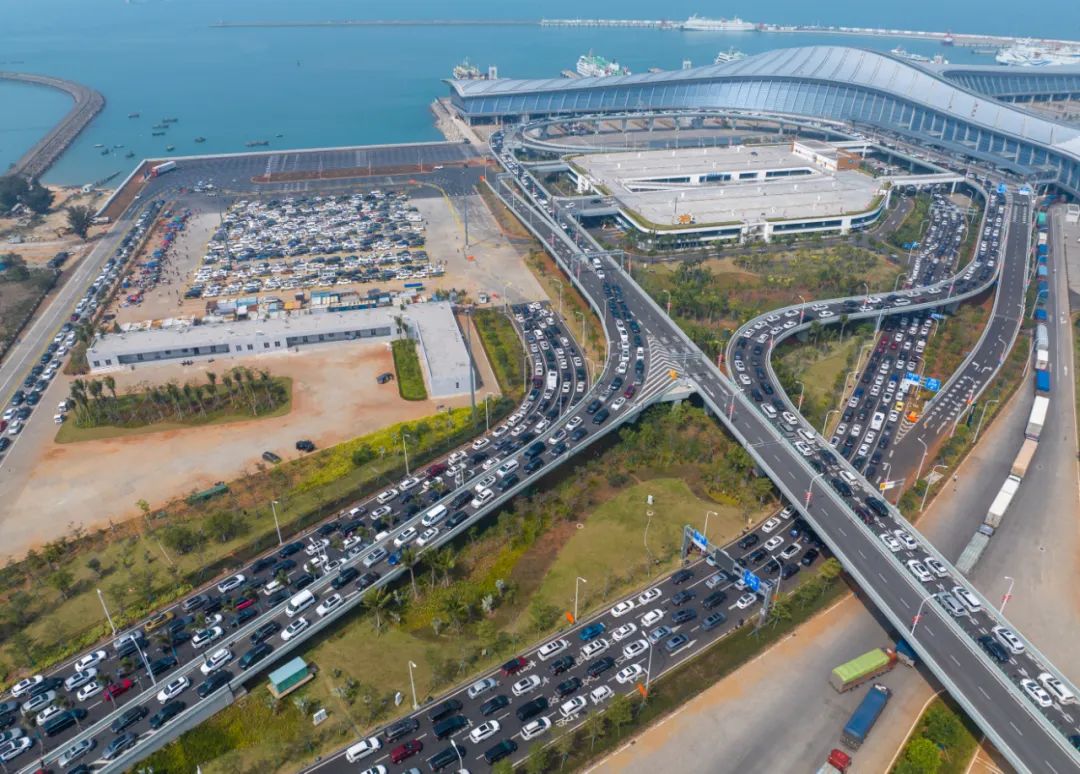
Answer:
(865, 716)
(1040, 314)
(161, 169)
(1023, 459)
(1038, 417)
(1042, 381)
(972, 553)
(1001, 503)
(859, 670)
(1042, 272)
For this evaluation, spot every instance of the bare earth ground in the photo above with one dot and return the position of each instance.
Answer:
(43, 241)
(47, 486)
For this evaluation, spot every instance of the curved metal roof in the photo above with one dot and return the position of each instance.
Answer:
(838, 64)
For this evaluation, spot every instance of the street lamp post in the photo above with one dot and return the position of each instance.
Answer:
(406, 451)
(559, 283)
(277, 526)
(412, 684)
(922, 460)
(106, 609)
(1008, 594)
(577, 582)
(668, 302)
(705, 531)
(810, 489)
(982, 416)
(582, 316)
(802, 309)
(926, 491)
(802, 393)
(825, 424)
(918, 614)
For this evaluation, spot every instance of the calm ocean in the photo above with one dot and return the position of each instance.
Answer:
(354, 85)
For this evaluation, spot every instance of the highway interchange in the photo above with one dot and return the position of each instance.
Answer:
(938, 637)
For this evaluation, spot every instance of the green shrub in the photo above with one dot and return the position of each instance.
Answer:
(410, 377)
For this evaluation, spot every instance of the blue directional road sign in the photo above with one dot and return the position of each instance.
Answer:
(936, 316)
(752, 581)
(932, 384)
(699, 540)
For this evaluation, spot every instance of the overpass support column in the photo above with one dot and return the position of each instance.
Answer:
(650, 123)
(625, 125)
(845, 225)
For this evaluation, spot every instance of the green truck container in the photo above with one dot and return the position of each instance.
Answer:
(217, 489)
(859, 670)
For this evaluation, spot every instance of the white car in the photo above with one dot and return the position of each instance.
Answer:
(229, 584)
(936, 567)
(907, 540)
(890, 542)
(294, 628)
(601, 694)
(216, 660)
(526, 684)
(635, 648)
(15, 748)
(573, 706)
(363, 749)
(629, 674)
(574, 423)
(652, 617)
(88, 690)
(480, 443)
(51, 711)
(329, 604)
(774, 543)
(1037, 693)
(535, 728)
(770, 525)
(619, 610)
(623, 631)
(790, 551)
(485, 730)
(427, 536)
(405, 537)
(745, 601)
(173, 689)
(618, 403)
(23, 686)
(311, 549)
(918, 569)
(206, 636)
(90, 659)
(648, 596)
(80, 678)
(594, 648)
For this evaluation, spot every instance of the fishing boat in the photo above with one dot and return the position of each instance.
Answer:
(129, 155)
(133, 115)
(160, 126)
(169, 120)
(279, 135)
(158, 134)
(104, 151)
(200, 139)
(256, 143)
(98, 145)
(170, 147)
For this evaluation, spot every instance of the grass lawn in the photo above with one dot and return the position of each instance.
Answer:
(609, 550)
(821, 369)
(410, 376)
(69, 432)
(945, 727)
(503, 349)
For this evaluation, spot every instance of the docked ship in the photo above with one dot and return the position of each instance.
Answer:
(731, 55)
(592, 66)
(1031, 55)
(701, 24)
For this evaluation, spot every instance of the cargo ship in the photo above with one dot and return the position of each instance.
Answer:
(731, 55)
(699, 24)
(592, 66)
(1027, 54)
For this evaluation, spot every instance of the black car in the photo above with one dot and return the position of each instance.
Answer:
(256, 654)
(128, 717)
(444, 710)
(270, 457)
(714, 600)
(534, 464)
(994, 648)
(193, 602)
(808, 557)
(567, 687)
(265, 631)
(366, 580)
(120, 745)
(277, 597)
(327, 529)
(64, 721)
(531, 709)
(289, 549)
(713, 620)
(501, 750)
(684, 615)
(303, 580)
(594, 406)
(749, 541)
(163, 664)
(789, 571)
(243, 616)
(261, 564)
(345, 577)
(562, 664)
(841, 486)
(682, 576)
(167, 713)
(494, 704)
(402, 728)
(680, 598)
(577, 435)
(450, 726)
(305, 446)
(600, 666)
(601, 416)
(448, 757)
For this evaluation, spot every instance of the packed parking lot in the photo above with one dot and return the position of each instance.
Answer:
(308, 242)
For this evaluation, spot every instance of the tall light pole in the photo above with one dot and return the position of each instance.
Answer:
(582, 316)
(925, 451)
(1008, 594)
(802, 309)
(406, 451)
(577, 582)
(825, 424)
(412, 684)
(802, 393)
(106, 609)
(926, 491)
(277, 526)
(557, 282)
(810, 489)
(668, 301)
(918, 614)
(487, 412)
(705, 531)
(982, 416)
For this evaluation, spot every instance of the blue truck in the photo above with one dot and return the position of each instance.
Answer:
(1042, 381)
(865, 716)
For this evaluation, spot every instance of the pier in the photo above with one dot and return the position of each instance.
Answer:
(45, 152)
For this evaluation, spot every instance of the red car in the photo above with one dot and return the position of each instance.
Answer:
(436, 470)
(514, 665)
(629, 391)
(245, 602)
(407, 750)
(116, 689)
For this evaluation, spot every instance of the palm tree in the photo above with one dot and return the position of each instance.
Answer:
(409, 558)
(212, 378)
(110, 383)
(377, 600)
(442, 561)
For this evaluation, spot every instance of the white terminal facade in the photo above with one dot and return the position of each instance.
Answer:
(442, 346)
(737, 192)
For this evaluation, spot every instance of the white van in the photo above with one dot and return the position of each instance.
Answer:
(877, 421)
(434, 516)
(550, 649)
(967, 599)
(507, 468)
(299, 603)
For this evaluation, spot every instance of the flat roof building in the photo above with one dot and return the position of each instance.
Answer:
(442, 344)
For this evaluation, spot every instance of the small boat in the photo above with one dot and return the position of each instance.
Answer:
(279, 135)
(121, 145)
(158, 134)
(133, 115)
(170, 147)
(256, 143)
(104, 151)
(200, 139)
(98, 145)
(169, 120)
(129, 155)
(160, 126)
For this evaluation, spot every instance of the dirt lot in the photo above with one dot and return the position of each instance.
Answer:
(46, 239)
(47, 486)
